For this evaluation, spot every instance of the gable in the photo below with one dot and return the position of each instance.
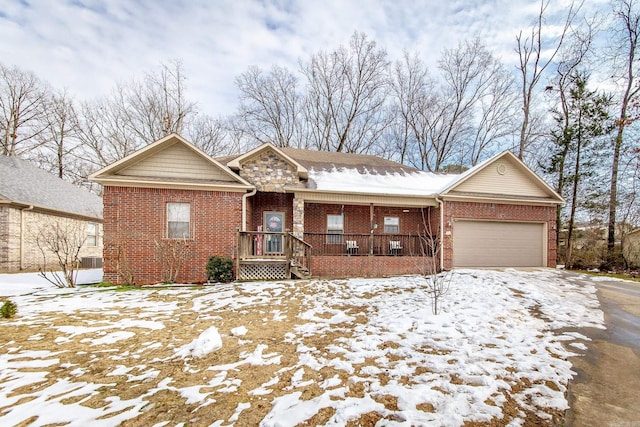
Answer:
(176, 161)
(170, 162)
(503, 176)
(269, 151)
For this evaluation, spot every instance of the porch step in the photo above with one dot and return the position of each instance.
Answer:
(300, 272)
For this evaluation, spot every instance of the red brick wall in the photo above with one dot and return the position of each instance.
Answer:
(502, 212)
(135, 218)
(366, 266)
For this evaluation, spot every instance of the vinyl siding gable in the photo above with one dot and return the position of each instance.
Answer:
(176, 161)
(502, 177)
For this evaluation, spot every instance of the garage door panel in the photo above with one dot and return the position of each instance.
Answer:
(498, 244)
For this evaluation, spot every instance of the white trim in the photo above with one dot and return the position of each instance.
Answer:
(171, 185)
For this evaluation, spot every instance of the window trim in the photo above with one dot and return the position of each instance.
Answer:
(335, 235)
(94, 235)
(168, 230)
(397, 224)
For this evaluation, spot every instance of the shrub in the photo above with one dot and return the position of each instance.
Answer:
(8, 309)
(219, 269)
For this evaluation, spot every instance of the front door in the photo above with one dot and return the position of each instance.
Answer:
(274, 223)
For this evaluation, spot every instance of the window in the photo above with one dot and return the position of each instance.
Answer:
(391, 224)
(178, 218)
(335, 225)
(92, 234)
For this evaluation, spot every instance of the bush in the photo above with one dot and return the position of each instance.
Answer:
(8, 309)
(219, 269)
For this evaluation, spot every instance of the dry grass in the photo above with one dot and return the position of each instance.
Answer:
(148, 350)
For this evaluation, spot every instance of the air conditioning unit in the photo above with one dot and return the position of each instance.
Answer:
(91, 262)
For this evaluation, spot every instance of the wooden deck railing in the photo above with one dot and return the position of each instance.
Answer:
(368, 244)
(265, 245)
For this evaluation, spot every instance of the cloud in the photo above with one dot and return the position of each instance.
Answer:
(87, 46)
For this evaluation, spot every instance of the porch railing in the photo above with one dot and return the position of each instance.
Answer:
(257, 245)
(371, 244)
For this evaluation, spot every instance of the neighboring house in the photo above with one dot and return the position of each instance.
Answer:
(281, 212)
(631, 248)
(33, 200)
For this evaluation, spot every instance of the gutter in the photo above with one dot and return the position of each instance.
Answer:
(244, 207)
(28, 208)
(442, 237)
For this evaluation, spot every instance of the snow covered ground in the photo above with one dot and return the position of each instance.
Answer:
(341, 352)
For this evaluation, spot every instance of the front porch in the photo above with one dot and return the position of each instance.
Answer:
(278, 256)
(264, 255)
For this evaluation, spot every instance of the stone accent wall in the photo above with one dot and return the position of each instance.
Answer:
(135, 219)
(35, 221)
(268, 172)
(499, 212)
(298, 217)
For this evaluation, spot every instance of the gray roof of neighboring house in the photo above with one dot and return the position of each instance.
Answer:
(22, 182)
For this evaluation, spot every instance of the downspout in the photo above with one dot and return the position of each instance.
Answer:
(29, 208)
(442, 237)
(244, 207)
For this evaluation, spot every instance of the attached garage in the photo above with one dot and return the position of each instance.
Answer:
(499, 244)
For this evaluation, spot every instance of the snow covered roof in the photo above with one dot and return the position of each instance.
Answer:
(413, 183)
(364, 175)
(21, 182)
(367, 174)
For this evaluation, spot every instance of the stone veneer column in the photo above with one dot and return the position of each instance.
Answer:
(298, 217)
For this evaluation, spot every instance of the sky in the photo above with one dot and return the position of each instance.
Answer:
(87, 46)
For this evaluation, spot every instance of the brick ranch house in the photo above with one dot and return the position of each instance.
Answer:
(283, 212)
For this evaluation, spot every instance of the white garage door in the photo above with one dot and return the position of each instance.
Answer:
(498, 244)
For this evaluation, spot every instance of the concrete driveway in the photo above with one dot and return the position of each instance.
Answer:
(606, 391)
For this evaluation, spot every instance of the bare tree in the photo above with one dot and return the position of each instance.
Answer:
(22, 100)
(460, 117)
(157, 106)
(626, 33)
(210, 135)
(270, 105)
(414, 94)
(104, 132)
(172, 254)
(494, 117)
(573, 56)
(135, 114)
(346, 95)
(61, 241)
(536, 54)
(438, 282)
(59, 140)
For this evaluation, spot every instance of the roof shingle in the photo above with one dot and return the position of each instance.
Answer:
(21, 182)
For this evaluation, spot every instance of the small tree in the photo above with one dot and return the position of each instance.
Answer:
(63, 242)
(438, 282)
(171, 254)
(8, 309)
(116, 255)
